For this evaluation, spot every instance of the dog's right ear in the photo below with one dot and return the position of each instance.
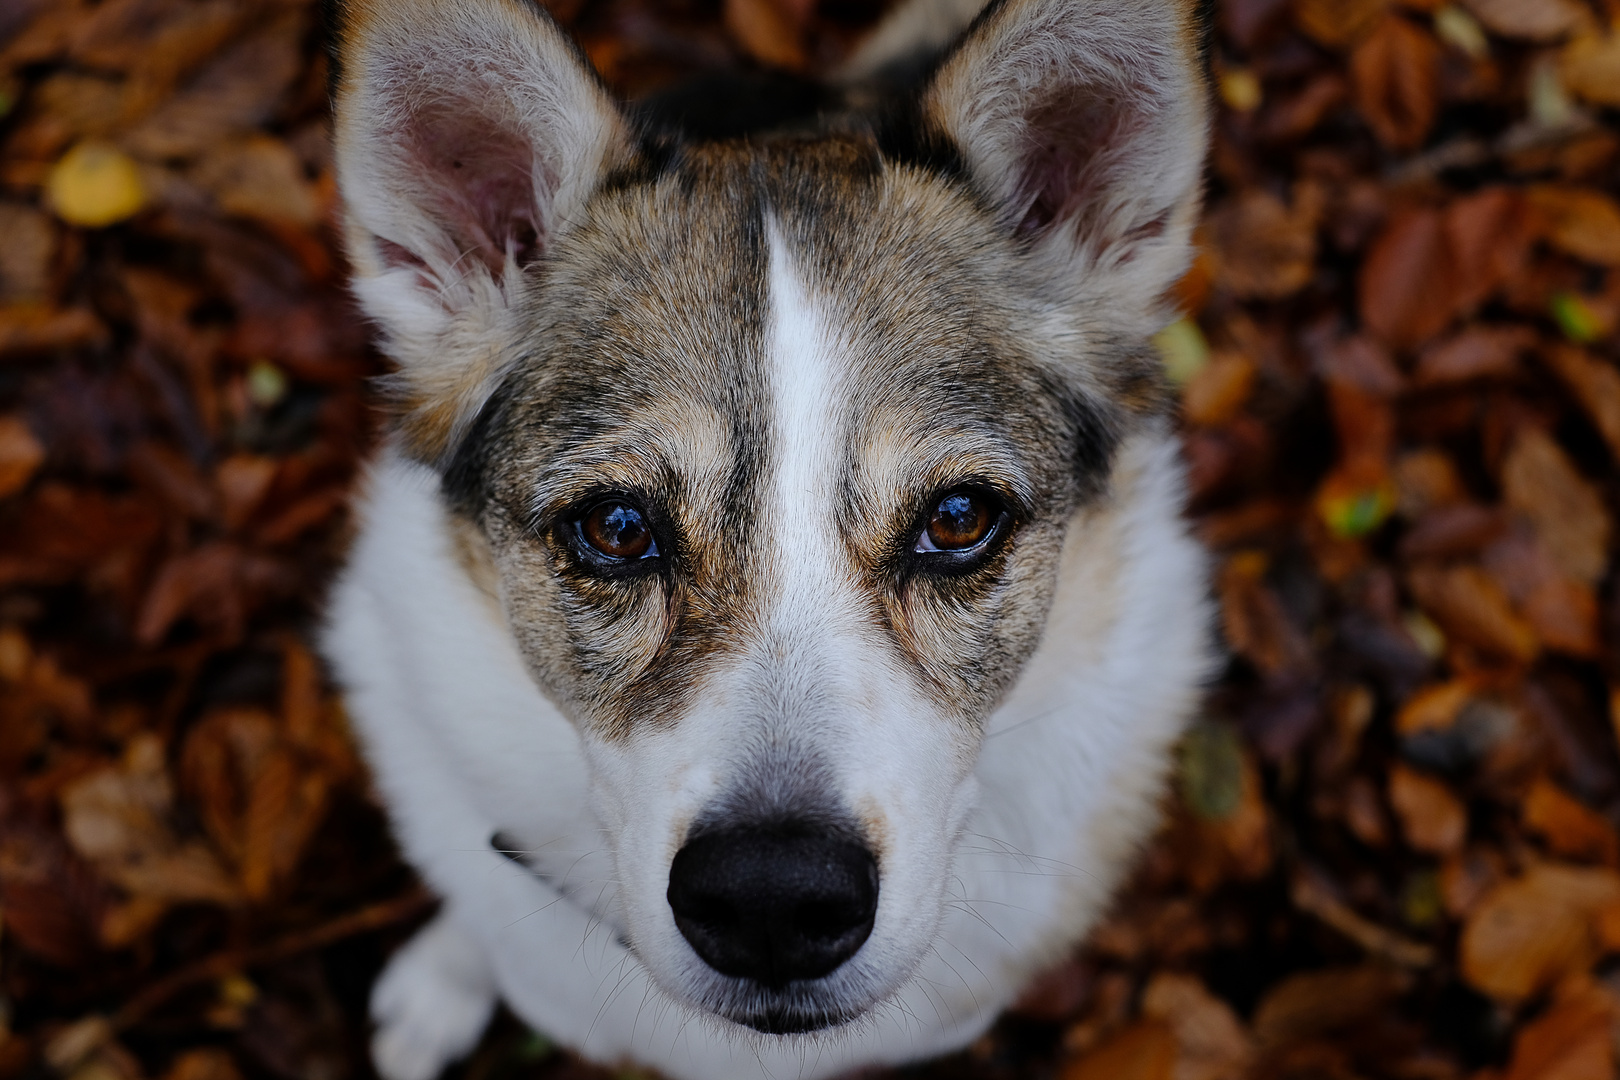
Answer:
(468, 135)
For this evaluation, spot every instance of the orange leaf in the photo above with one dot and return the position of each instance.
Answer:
(1432, 818)
(1144, 1051)
(1528, 932)
(1581, 221)
(21, 454)
(1569, 827)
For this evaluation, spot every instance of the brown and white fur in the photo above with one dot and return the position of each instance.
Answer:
(784, 350)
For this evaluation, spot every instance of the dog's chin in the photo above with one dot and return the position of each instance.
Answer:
(788, 1019)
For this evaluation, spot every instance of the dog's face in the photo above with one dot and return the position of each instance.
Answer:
(772, 446)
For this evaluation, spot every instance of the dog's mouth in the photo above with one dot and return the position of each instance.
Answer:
(794, 1020)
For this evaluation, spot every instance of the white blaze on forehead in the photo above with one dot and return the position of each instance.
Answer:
(800, 527)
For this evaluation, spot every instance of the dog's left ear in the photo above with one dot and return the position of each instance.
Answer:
(468, 134)
(1084, 123)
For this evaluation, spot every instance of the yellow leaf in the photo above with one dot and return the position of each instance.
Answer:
(1591, 68)
(95, 185)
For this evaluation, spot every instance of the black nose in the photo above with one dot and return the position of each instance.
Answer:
(773, 906)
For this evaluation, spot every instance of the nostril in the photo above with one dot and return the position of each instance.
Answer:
(773, 906)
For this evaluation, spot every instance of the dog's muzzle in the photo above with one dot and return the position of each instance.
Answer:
(775, 906)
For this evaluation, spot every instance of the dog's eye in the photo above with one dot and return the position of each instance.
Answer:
(962, 521)
(618, 531)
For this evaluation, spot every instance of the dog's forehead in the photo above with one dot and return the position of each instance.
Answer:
(651, 326)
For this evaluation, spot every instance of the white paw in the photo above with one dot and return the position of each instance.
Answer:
(431, 1003)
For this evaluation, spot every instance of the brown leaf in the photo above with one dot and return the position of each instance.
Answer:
(1426, 479)
(1571, 1041)
(1566, 511)
(239, 88)
(1590, 66)
(21, 455)
(1448, 532)
(1581, 221)
(1313, 1003)
(1596, 386)
(1433, 820)
(1475, 352)
(1218, 391)
(1490, 234)
(1393, 74)
(1570, 828)
(1211, 1043)
(260, 178)
(768, 30)
(1531, 20)
(1336, 23)
(31, 328)
(27, 254)
(1263, 249)
(1408, 282)
(286, 803)
(119, 819)
(1144, 1051)
(1256, 624)
(1469, 605)
(209, 1063)
(1529, 931)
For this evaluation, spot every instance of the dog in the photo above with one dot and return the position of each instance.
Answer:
(771, 613)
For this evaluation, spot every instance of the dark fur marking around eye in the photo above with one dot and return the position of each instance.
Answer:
(463, 482)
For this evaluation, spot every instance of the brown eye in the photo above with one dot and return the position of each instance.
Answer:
(618, 531)
(961, 521)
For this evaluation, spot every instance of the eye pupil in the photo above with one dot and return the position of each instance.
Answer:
(961, 521)
(617, 531)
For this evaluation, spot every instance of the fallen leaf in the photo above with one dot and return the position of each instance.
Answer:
(1393, 73)
(1564, 615)
(1566, 510)
(1473, 353)
(1529, 931)
(1408, 281)
(119, 819)
(1256, 624)
(95, 185)
(1590, 66)
(1449, 532)
(1337, 23)
(1144, 1051)
(1596, 386)
(27, 254)
(208, 1063)
(1211, 1043)
(1313, 1003)
(1262, 247)
(1216, 393)
(260, 178)
(1433, 820)
(768, 31)
(1570, 1041)
(1581, 221)
(1470, 606)
(1425, 480)
(1569, 827)
(21, 455)
(1531, 20)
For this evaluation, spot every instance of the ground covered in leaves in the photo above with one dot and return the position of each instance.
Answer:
(1391, 849)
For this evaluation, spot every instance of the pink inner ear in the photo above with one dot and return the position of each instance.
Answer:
(1077, 155)
(478, 182)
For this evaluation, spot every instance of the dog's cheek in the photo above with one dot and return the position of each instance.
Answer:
(969, 637)
(584, 639)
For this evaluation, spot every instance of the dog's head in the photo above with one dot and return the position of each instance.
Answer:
(773, 444)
